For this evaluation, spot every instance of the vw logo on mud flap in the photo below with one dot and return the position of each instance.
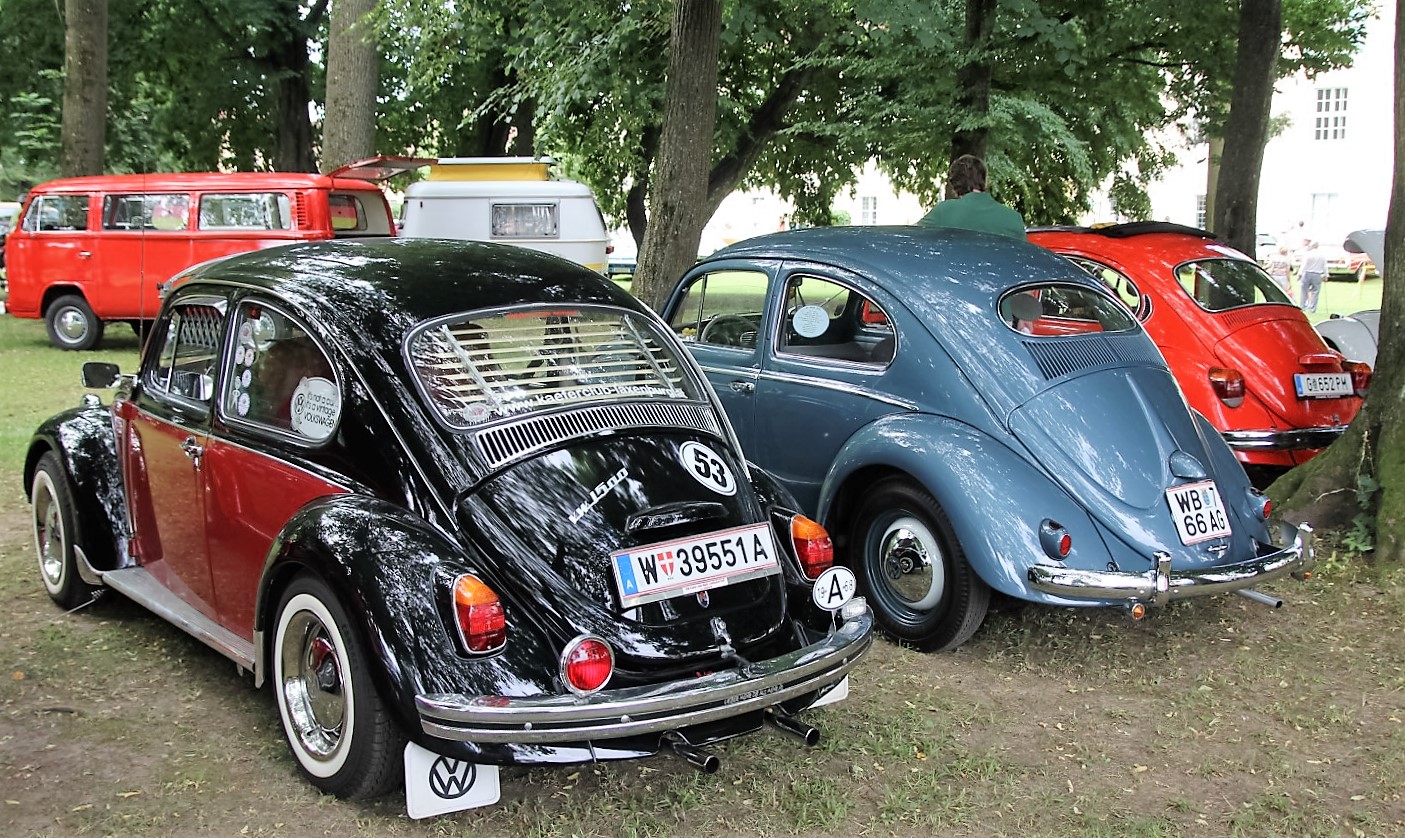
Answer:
(451, 778)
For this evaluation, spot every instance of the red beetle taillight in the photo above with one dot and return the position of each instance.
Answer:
(1228, 385)
(481, 621)
(813, 546)
(1055, 540)
(1360, 373)
(587, 664)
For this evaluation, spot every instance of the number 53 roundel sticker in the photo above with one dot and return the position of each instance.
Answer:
(708, 468)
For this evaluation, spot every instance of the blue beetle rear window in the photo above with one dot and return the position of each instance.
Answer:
(478, 367)
(1059, 310)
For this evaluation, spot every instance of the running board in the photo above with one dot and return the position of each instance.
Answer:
(138, 585)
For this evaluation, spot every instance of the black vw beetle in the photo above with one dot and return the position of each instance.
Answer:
(462, 505)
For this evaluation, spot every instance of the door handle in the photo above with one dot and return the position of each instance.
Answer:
(85, 254)
(193, 450)
(743, 387)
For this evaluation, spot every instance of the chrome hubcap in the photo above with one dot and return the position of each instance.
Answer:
(313, 675)
(48, 536)
(911, 562)
(72, 324)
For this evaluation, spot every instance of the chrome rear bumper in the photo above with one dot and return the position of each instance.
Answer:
(1161, 584)
(656, 708)
(1297, 439)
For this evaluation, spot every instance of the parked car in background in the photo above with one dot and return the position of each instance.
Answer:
(1343, 264)
(1355, 335)
(969, 413)
(91, 250)
(1245, 356)
(1265, 248)
(462, 505)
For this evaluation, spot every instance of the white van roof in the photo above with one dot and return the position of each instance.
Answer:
(512, 189)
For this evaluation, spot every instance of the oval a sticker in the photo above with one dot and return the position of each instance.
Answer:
(835, 587)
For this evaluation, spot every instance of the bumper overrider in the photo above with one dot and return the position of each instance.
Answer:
(1161, 584)
(1298, 439)
(656, 708)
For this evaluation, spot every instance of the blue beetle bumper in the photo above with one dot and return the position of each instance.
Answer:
(1161, 584)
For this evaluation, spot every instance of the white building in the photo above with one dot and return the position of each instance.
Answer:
(1330, 167)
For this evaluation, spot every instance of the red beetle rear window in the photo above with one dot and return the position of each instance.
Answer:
(1219, 284)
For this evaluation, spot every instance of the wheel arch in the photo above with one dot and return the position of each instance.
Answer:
(85, 443)
(993, 496)
(53, 291)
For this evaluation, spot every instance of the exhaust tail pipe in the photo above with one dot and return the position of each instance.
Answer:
(792, 725)
(703, 760)
(1256, 596)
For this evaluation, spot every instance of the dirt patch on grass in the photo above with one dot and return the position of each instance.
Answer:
(1215, 717)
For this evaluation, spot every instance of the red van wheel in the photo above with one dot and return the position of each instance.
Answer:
(72, 324)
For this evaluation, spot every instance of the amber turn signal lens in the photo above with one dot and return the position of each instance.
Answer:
(482, 623)
(813, 546)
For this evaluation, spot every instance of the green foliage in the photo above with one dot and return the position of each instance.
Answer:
(1361, 538)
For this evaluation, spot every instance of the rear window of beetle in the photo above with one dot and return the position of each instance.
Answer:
(481, 366)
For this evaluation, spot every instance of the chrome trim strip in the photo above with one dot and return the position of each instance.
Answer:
(1291, 440)
(649, 709)
(1161, 584)
(138, 585)
(830, 384)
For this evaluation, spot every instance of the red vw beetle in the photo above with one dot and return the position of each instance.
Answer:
(1244, 355)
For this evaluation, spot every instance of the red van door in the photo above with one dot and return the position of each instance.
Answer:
(51, 248)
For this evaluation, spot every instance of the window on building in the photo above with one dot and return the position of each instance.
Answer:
(1200, 220)
(868, 210)
(1330, 123)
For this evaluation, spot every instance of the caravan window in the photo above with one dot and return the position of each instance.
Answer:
(526, 221)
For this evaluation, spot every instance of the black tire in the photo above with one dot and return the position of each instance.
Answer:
(56, 534)
(913, 570)
(341, 735)
(72, 324)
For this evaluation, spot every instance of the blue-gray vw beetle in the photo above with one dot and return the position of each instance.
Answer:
(967, 412)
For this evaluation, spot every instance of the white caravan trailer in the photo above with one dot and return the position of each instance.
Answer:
(513, 200)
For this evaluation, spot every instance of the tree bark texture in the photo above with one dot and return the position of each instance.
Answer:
(353, 70)
(1325, 489)
(678, 185)
(973, 79)
(292, 88)
(1246, 131)
(84, 126)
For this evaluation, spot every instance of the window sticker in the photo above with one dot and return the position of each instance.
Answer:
(810, 321)
(315, 408)
(708, 468)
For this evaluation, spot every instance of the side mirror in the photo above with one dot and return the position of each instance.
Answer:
(99, 375)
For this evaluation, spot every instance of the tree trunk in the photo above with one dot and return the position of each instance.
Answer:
(973, 78)
(1212, 181)
(1246, 132)
(84, 128)
(353, 69)
(1328, 490)
(678, 185)
(292, 90)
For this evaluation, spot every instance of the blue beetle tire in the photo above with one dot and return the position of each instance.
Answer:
(912, 569)
(343, 738)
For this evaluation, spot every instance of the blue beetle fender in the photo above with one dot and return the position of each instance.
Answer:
(996, 500)
(394, 573)
(84, 441)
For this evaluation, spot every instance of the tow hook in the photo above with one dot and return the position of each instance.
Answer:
(699, 758)
(792, 725)
(1257, 596)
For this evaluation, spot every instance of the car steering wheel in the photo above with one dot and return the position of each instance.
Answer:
(726, 329)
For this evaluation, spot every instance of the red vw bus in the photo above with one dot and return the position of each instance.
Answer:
(92, 249)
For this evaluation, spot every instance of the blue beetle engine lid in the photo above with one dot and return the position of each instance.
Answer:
(476, 367)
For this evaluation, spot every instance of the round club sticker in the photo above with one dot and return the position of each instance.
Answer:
(835, 587)
(315, 408)
(708, 468)
(809, 321)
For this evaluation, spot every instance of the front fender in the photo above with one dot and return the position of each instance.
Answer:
(85, 442)
(994, 497)
(394, 574)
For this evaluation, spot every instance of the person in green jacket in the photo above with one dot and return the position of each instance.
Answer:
(969, 207)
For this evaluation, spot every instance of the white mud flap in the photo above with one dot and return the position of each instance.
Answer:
(839, 693)
(437, 785)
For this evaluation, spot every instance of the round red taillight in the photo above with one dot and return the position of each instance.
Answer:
(1267, 509)
(1228, 385)
(587, 664)
(1065, 544)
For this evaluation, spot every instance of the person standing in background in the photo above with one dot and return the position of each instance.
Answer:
(1312, 272)
(969, 207)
